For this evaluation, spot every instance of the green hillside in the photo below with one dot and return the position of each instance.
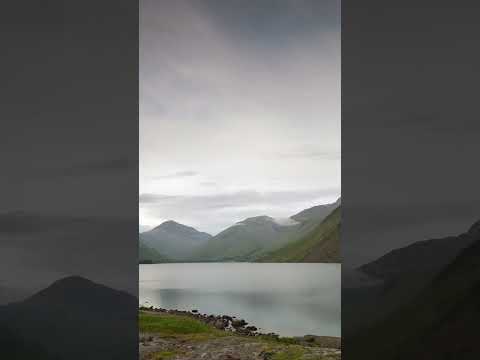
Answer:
(322, 244)
(246, 240)
(149, 255)
(254, 238)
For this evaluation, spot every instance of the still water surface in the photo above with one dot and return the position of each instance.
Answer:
(288, 299)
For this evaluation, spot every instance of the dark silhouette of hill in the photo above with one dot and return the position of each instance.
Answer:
(15, 347)
(440, 321)
(74, 318)
(400, 275)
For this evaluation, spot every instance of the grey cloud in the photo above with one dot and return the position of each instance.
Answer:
(213, 213)
(242, 92)
(235, 199)
(178, 174)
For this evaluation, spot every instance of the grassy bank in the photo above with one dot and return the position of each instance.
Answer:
(165, 336)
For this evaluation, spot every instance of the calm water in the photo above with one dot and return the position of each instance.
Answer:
(289, 299)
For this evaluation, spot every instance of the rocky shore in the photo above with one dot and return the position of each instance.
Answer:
(241, 341)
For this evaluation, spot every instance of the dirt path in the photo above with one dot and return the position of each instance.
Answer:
(154, 347)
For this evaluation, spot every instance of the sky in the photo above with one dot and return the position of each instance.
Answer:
(239, 110)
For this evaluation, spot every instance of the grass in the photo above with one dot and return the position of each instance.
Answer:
(177, 326)
(323, 234)
(291, 353)
(185, 328)
(162, 355)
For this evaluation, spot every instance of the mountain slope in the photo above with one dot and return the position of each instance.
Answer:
(254, 238)
(246, 240)
(316, 213)
(440, 321)
(74, 319)
(148, 255)
(174, 240)
(400, 275)
(322, 244)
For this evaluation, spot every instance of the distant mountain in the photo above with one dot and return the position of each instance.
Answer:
(148, 255)
(440, 319)
(72, 319)
(254, 238)
(174, 241)
(322, 244)
(246, 240)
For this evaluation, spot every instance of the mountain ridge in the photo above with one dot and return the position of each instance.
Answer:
(247, 240)
(440, 321)
(322, 244)
(174, 240)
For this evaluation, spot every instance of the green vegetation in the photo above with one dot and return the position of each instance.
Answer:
(290, 353)
(148, 255)
(189, 337)
(171, 324)
(176, 325)
(246, 241)
(322, 244)
(162, 355)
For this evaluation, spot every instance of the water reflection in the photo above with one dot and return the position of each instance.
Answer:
(289, 299)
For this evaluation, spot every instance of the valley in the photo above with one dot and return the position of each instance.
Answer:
(309, 236)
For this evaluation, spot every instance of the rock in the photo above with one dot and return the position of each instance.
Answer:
(220, 324)
(238, 323)
(226, 317)
(229, 357)
(266, 355)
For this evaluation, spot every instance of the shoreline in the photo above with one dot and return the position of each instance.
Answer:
(231, 324)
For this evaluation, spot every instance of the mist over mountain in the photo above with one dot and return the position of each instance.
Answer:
(251, 239)
(322, 244)
(317, 213)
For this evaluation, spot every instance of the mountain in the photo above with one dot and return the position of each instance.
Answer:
(422, 257)
(147, 255)
(73, 319)
(316, 213)
(398, 275)
(322, 244)
(246, 240)
(254, 238)
(174, 240)
(439, 321)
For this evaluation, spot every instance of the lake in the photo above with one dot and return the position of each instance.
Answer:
(288, 299)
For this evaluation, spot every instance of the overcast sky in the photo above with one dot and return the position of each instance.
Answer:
(239, 109)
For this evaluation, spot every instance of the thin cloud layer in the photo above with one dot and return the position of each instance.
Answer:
(247, 95)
